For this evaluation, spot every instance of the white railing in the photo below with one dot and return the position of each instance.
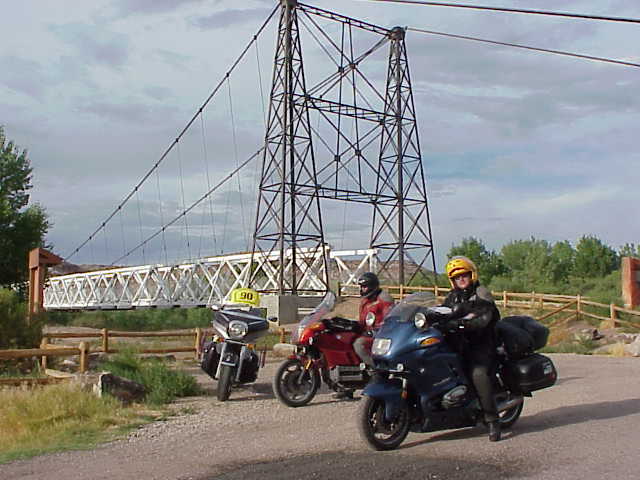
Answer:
(197, 283)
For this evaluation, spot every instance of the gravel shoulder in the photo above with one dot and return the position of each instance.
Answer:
(586, 426)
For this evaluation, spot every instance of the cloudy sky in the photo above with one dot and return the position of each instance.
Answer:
(514, 143)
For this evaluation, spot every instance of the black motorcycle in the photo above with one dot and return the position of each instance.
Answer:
(420, 383)
(229, 356)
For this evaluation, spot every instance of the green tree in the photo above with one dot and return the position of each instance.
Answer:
(528, 263)
(22, 226)
(488, 262)
(562, 259)
(594, 258)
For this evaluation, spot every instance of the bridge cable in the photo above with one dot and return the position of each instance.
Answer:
(184, 203)
(124, 245)
(235, 156)
(164, 240)
(514, 10)
(144, 256)
(206, 167)
(182, 132)
(192, 206)
(526, 47)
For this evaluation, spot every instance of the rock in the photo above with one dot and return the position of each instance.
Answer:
(633, 348)
(122, 388)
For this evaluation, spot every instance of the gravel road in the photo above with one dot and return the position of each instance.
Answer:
(585, 427)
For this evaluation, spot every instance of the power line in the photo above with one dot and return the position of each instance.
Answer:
(180, 135)
(515, 10)
(526, 47)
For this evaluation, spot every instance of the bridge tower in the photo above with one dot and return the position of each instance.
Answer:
(289, 226)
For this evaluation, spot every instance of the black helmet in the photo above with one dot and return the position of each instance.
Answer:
(369, 284)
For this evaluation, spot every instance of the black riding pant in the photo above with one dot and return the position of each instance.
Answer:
(480, 361)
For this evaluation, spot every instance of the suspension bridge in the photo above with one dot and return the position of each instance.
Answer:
(338, 131)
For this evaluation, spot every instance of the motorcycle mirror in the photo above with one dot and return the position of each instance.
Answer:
(273, 319)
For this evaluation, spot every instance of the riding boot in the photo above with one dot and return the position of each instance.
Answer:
(494, 431)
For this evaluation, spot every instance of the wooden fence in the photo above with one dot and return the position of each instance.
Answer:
(571, 306)
(83, 349)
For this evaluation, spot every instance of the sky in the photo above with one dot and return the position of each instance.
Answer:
(514, 143)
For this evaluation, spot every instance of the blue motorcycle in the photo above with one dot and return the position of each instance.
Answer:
(420, 384)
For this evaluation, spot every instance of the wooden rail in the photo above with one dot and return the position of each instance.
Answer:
(83, 349)
(609, 315)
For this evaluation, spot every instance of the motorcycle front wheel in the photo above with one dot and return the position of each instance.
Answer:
(294, 385)
(224, 383)
(378, 432)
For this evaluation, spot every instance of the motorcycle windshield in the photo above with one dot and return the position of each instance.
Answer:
(324, 307)
(403, 311)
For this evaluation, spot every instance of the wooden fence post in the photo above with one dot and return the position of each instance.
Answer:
(504, 299)
(533, 300)
(105, 340)
(578, 308)
(84, 360)
(401, 292)
(198, 341)
(435, 291)
(43, 360)
(612, 316)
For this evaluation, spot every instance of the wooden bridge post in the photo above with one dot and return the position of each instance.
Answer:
(39, 259)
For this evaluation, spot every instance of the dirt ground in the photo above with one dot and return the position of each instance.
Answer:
(587, 426)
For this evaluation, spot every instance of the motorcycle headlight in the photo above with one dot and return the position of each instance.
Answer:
(370, 319)
(381, 346)
(237, 329)
(420, 320)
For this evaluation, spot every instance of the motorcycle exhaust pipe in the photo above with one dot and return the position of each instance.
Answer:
(509, 404)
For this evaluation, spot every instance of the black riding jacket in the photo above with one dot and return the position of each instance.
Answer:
(477, 303)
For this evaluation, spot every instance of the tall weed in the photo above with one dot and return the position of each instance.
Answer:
(163, 384)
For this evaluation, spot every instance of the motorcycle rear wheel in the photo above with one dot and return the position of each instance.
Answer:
(375, 430)
(511, 416)
(224, 383)
(294, 385)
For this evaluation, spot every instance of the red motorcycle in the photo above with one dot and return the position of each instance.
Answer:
(324, 353)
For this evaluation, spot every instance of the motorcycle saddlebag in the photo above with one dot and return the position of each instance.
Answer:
(534, 372)
(517, 342)
(539, 333)
(210, 358)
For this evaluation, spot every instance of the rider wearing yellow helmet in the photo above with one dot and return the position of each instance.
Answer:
(471, 329)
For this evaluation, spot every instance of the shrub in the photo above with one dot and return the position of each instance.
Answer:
(16, 331)
(163, 384)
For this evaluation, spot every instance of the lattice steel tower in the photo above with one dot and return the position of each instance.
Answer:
(376, 161)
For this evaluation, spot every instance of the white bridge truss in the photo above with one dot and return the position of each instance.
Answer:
(198, 283)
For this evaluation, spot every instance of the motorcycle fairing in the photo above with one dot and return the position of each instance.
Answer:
(338, 349)
(390, 391)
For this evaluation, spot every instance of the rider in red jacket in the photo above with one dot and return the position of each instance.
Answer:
(376, 304)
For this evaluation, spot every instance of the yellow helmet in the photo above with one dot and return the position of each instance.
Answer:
(459, 265)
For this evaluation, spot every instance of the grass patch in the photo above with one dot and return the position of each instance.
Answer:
(163, 383)
(55, 418)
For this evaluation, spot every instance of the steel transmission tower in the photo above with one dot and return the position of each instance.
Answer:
(401, 223)
(286, 219)
(374, 160)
